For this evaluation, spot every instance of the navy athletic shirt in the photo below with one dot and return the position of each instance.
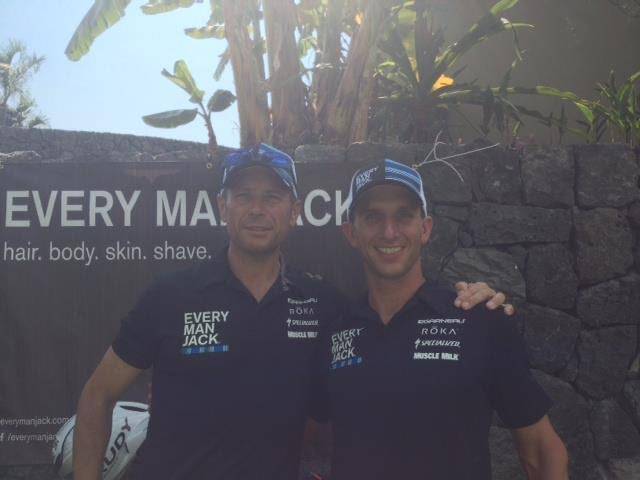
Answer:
(414, 399)
(231, 376)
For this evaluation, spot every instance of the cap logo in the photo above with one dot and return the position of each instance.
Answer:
(365, 177)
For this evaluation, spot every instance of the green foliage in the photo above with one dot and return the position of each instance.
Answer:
(615, 113)
(102, 15)
(219, 101)
(17, 66)
(417, 82)
(155, 7)
(182, 78)
(171, 118)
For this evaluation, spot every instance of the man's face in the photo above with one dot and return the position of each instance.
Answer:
(389, 231)
(259, 210)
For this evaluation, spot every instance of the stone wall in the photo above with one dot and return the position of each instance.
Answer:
(63, 146)
(557, 229)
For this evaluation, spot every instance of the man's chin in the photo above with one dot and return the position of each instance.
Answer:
(259, 247)
(388, 272)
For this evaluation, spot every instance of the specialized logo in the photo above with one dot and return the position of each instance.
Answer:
(343, 348)
(302, 322)
(202, 332)
(436, 335)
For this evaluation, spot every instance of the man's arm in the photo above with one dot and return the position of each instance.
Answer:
(93, 423)
(541, 451)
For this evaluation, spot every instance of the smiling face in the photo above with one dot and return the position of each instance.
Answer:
(259, 211)
(389, 231)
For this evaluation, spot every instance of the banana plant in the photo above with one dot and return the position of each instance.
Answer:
(416, 74)
(219, 101)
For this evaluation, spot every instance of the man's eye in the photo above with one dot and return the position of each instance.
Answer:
(371, 217)
(406, 215)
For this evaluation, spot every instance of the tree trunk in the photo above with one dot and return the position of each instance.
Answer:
(360, 125)
(342, 109)
(289, 114)
(253, 110)
(325, 81)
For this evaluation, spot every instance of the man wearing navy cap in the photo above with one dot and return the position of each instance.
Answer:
(231, 376)
(413, 381)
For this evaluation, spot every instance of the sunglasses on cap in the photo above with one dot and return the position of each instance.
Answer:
(261, 155)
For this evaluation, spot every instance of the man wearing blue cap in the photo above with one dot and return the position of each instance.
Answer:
(412, 380)
(231, 377)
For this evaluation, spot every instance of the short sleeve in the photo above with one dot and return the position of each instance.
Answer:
(515, 395)
(136, 341)
(335, 315)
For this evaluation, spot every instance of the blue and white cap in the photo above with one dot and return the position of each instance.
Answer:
(385, 172)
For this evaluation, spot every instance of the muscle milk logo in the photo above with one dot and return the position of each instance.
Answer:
(363, 178)
(343, 350)
(435, 334)
(301, 322)
(201, 333)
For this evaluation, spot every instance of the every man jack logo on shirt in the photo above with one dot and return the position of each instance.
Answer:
(201, 332)
(343, 348)
(301, 322)
(438, 333)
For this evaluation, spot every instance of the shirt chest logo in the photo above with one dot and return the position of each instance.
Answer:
(202, 332)
(439, 339)
(302, 321)
(344, 351)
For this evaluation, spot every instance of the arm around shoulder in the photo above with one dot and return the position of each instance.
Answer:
(93, 424)
(541, 451)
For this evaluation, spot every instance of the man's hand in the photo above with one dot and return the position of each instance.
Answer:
(471, 294)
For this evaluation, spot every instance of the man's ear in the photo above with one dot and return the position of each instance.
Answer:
(349, 234)
(427, 228)
(222, 205)
(295, 212)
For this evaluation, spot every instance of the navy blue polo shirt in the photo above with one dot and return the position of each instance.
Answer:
(414, 399)
(231, 376)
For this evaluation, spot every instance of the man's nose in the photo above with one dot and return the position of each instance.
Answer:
(256, 207)
(390, 229)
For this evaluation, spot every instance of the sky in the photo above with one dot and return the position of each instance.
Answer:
(119, 80)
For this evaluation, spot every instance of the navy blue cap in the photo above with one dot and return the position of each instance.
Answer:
(385, 172)
(262, 155)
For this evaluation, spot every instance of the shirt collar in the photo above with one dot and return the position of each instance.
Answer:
(435, 296)
(218, 270)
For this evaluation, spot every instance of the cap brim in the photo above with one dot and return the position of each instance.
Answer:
(386, 181)
(233, 174)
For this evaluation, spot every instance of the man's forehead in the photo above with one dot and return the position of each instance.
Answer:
(256, 176)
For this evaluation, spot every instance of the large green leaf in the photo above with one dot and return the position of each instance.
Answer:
(220, 100)
(490, 24)
(170, 119)
(182, 77)
(586, 111)
(154, 7)
(502, 6)
(102, 15)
